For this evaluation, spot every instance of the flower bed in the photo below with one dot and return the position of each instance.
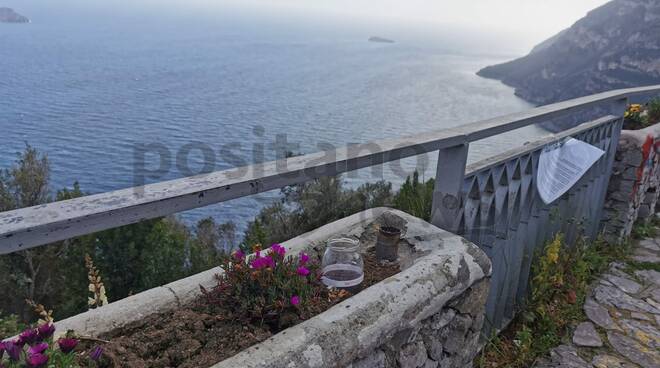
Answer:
(429, 313)
(281, 292)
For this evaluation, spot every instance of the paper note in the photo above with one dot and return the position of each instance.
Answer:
(561, 165)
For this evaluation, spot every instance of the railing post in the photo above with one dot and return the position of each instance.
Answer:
(448, 186)
(618, 109)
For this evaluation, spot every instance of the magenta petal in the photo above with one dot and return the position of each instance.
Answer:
(278, 249)
(37, 348)
(295, 300)
(46, 330)
(13, 350)
(67, 344)
(96, 353)
(36, 360)
(29, 336)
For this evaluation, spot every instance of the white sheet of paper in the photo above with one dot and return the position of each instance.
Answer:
(562, 165)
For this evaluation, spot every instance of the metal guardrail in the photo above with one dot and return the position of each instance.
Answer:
(495, 204)
(503, 213)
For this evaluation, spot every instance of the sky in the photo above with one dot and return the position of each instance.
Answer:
(516, 25)
(525, 21)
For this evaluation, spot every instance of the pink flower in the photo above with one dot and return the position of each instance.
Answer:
(67, 344)
(295, 300)
(278, 249)
(36, 360)
(263, 262)
(46, 330)
(29, 336)
(304, 258)
(13, 349)
(302, 271)
(239, 255)
(37, 348)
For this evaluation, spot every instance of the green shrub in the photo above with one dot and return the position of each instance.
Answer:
(415, 197)
(653, 111)
(131, 258)
(309, 206)
(10, 326)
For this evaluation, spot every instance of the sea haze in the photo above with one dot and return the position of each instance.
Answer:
(86, 87)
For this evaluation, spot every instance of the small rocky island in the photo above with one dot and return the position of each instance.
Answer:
(380, 39)
(8, 15)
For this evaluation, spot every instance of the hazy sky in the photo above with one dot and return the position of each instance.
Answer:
(514, 25)
(531, 20)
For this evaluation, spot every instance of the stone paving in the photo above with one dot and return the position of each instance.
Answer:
(623, 326)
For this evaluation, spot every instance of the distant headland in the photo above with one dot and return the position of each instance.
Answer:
(614, 46)
(8, 15)
(380, 39)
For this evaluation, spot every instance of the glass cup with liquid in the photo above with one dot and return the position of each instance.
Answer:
(342, 266)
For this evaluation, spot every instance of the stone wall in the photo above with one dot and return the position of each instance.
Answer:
(428, 315)
(632, 193)
(449, 338)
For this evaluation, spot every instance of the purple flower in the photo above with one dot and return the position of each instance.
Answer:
(295, 300)
(37, 348)
(304, 258)
(13, 349)
(46, 330)
(67, 344)
(96, 353)
(302, 271)
(36, 360)
(278, 249)
(29, 336)
(2, 349)
(263, 262)
(239, 255)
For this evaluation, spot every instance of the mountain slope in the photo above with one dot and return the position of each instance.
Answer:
(8, 15)
(615, 46)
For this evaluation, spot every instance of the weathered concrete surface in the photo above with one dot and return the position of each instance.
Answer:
(624, 306)
(633, 191)
(428, 315)
(165, 298)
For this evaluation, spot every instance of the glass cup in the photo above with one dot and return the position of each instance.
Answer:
(342, 266)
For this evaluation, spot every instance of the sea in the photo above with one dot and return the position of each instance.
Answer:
(118, 97)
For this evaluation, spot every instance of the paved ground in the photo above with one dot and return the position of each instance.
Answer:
(623, 326)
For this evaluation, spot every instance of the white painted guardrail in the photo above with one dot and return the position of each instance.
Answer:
(26, 228)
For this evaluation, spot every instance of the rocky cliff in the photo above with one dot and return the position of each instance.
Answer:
(8, 15)
(615, 46)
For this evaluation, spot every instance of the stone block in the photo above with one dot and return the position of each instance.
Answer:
(374, 360)
(412, 355)
(586, 335)
(473, 301)
(433, 347)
